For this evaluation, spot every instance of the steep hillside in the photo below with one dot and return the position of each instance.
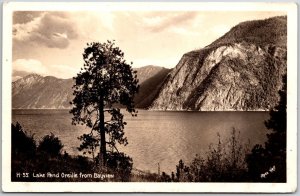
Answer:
(144, 73)
(150, 88)
(242, 70)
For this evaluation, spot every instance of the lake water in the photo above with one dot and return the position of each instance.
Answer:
(154, 137)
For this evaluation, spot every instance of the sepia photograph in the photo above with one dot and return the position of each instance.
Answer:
(149, 97)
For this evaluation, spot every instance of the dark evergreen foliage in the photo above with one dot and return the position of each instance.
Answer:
(51, 145)
(21, 142)
(121, 166)
(260, 32)
(104, 81)
(89, 144)
(268, 163)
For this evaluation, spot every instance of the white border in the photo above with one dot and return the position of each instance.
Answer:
(290, 186)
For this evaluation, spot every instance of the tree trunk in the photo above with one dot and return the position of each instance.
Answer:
(102, 134)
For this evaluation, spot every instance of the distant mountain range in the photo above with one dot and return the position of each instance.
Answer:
(34, 91)
(241, 70)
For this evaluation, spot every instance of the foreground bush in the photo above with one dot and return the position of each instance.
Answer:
(28, 161)
(22, 143)
(224, 162)
(50, 145)
(121, 165)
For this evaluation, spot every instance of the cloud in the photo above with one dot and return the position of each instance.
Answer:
(22, 67)
(23, 17)
(57, 39)
(62, 71)
(29, 65)
(22, 31)
(51, 29)
(160, 21)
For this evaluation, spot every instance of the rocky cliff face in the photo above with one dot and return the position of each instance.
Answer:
(240, 71)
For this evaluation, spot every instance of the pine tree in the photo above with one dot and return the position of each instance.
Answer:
(268, 163)
(105, 82)
(276, 144)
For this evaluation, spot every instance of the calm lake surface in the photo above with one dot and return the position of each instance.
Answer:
(154, 137)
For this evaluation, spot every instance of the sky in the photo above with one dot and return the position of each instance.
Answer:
(52, 43)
